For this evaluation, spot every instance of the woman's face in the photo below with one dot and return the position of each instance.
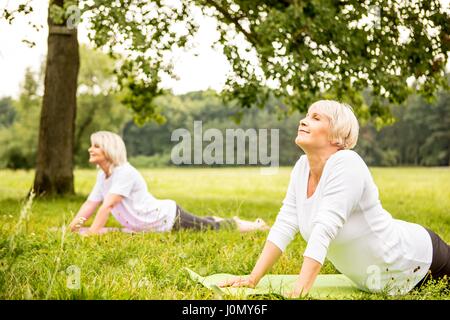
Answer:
(313, 131)
(96, 154)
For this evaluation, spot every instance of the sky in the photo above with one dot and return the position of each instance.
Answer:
(199, 69)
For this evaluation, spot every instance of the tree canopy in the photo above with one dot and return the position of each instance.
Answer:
(295, 50)
(306, 49)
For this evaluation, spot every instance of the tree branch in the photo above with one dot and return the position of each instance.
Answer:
(250, 37)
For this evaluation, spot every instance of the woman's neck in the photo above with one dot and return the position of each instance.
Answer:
(317, 161)
(105, 167)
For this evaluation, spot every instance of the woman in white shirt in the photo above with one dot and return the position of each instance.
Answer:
(333, 202)
(122, 191)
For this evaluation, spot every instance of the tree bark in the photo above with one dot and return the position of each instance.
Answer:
(54, 165)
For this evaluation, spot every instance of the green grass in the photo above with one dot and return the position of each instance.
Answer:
(149, 266)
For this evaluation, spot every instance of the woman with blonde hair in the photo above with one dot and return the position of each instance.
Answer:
(333, 202)
(122, 191)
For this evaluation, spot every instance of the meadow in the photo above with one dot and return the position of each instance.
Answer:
(38, 263)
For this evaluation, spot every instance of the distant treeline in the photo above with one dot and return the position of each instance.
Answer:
(419, 136)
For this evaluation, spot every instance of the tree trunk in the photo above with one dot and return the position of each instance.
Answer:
(54, 167)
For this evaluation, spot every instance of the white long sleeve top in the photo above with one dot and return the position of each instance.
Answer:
(139, 210)
(344, 221)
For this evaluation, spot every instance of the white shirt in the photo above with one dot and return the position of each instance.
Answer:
(139, 210)
(344, 221)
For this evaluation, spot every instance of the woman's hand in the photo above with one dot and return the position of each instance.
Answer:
(86, 210)
(299, 291)
(245, 281)
(76, 224)
(266, 260)
(308, 274)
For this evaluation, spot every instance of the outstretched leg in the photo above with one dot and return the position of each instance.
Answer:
(440, 263)
(186, 220)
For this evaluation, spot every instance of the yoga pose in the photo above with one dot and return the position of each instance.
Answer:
(122, 191)
(333, 202)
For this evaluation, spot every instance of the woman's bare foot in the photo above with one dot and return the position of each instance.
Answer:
(262, 224)
(247, 226)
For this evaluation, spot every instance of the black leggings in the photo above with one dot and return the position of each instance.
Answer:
(186, 220)
(440, 263)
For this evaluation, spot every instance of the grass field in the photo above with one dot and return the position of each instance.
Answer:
(36, 263)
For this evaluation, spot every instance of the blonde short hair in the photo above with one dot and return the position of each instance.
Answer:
(344, 126)
(113, 147)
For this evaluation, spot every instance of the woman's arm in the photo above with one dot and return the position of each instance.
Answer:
(308, 274)
(103, 212)
(280, 235)
(85, 212)
(270, 254)
(341, 194)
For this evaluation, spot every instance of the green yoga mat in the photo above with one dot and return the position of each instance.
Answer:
(326, 286)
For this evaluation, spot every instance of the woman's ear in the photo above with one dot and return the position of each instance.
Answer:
(332, 140)
(335, 143)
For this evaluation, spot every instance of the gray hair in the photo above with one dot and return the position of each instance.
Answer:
(113, 147)
(344, 126)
